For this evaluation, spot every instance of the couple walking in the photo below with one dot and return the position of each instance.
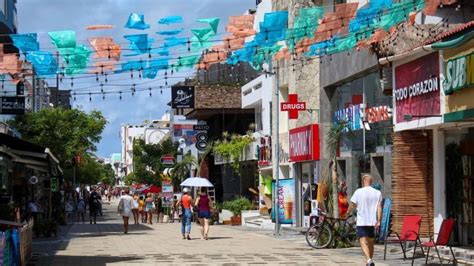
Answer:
(203, 204)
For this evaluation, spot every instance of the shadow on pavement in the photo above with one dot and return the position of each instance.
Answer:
(83, 260)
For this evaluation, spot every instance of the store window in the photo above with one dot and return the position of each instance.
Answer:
(357, 92)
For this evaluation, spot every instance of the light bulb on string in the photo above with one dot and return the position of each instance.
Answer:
(102, 88)
(120, 95)
(103, 96)
(72, 81)
(106, 78)
(131, 73)
(97, 77)
(90, 97)
(150, 91)
(3, 84)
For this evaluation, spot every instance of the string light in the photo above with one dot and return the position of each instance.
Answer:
(120, 95)
(90, 97)
(72, 81)
(150, 91)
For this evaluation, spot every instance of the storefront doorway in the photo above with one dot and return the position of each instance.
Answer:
(460, 183)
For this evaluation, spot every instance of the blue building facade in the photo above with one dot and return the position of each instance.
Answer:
(8, 24)
(8, 16)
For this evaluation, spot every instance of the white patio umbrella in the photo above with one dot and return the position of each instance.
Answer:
(196, 182)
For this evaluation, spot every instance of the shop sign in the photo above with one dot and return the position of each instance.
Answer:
(417, 91)
(182, 97)
(201, 128)
(459, 73)
(285, 201)
(264, 152)
(350, 115)
(166, 186)
(12, 105)
(378, 114)
(304, 143)
(293, 106)
(168, 160)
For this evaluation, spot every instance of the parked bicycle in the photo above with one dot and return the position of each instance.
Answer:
(329, 232)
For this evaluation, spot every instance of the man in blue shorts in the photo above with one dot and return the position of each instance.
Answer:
(368, 202)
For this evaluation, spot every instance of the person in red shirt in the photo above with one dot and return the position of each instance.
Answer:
(186, 202)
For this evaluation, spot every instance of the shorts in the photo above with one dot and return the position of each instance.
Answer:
(366, 231)
(204, 214)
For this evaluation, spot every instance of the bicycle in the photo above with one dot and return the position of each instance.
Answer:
(328, 231)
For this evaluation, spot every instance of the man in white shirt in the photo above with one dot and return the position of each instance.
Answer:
(368, 202)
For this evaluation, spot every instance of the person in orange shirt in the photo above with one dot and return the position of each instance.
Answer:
(186, 202)
(342, 200)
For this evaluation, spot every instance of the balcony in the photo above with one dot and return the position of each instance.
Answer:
(256, 91)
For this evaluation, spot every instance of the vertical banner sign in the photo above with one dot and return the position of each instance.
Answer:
(417, 88)
(182, 97)
(286, 201)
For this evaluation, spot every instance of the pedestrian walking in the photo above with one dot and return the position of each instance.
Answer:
(135, 208)
(368, 202)
(159, 210)
(33, 210)
(203, 204)
(141, 209)
(125, 209)
(94, 205)
(149, 208)
(174, 209)
(80, 210)
(186, 202)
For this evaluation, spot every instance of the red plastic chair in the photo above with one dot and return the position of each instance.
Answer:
(410, 230)
(444, 235)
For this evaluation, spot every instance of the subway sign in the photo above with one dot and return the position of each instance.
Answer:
(459, 73)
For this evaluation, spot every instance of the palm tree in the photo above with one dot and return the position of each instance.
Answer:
(334, 138)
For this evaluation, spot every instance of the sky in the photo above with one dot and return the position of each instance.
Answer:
(42, 16)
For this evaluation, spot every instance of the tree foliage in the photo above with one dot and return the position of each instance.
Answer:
(90, 171)
(147, 166)
(66, 132)
(232, 146)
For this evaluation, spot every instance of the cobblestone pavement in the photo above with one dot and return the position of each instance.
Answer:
(161, 244)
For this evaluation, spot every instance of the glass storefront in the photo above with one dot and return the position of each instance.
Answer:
(361, 103)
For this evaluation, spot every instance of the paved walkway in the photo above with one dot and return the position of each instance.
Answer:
(161, 244)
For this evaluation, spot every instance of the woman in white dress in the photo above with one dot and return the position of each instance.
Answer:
(125, 208)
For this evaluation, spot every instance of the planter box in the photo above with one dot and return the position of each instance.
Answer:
(236, 220)
(227, 222)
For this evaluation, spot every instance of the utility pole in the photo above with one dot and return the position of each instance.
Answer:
(276, 146)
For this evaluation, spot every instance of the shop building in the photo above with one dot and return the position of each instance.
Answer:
(434, 125)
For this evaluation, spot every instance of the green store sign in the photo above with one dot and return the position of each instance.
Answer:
(459, 73)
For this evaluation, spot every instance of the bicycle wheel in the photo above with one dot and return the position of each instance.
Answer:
(319, 236)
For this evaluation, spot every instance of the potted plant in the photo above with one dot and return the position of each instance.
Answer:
(236, 207)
